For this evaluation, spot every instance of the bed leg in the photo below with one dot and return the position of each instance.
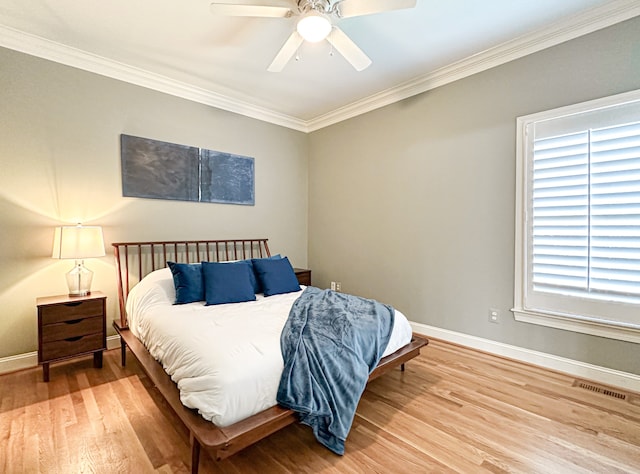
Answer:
(123, 352)
(195, 454)
(402, 367)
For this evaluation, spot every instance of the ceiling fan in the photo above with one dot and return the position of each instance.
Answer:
(316, 23)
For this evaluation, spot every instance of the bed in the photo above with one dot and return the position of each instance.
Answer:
(223, 422)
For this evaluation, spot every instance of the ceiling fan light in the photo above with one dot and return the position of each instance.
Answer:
(314, 27)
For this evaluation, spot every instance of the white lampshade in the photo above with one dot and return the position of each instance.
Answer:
(314, 26)
(78, 242)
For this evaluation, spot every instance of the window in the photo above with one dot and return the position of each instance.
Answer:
(578, 218)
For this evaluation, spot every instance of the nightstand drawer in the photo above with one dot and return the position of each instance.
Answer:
(71, 311)
(72, 328)
(72, 346)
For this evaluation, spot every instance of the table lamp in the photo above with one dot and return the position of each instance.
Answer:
(78, 242)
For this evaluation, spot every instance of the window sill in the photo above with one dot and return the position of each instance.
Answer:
(583, 326)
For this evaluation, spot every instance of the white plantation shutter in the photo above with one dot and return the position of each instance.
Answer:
(578, 250)
(586, 213)
(561, 213)
(615, 211)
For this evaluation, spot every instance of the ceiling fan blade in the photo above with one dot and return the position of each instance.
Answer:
(348, 49)
(286, 52)
(349, 8)
(235, 9)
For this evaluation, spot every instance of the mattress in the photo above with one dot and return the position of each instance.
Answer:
(225, 359)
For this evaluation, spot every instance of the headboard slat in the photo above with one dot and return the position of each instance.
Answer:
(132, 256)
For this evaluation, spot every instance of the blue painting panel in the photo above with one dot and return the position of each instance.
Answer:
(226, 178)
(159, 170)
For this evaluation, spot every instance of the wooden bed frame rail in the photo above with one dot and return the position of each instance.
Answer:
(134, 260)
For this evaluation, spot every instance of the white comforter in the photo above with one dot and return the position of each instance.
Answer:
(225, 359)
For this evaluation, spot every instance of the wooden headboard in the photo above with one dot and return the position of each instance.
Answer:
(134, 260)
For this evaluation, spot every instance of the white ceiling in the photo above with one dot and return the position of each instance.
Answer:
(180, 48)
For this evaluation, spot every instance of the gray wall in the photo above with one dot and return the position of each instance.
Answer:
(414, 203)
(60, 163)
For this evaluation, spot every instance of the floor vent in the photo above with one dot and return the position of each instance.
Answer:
(598, 389)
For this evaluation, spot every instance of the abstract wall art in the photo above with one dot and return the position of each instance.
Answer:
(159, 170)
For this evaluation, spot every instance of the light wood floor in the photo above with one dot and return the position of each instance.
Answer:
(452, 410)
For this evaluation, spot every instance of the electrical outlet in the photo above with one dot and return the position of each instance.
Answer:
(338, 286)
(333, 286)
(494, 315)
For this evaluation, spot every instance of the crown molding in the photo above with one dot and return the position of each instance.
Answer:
(597, 18)
(43, 48)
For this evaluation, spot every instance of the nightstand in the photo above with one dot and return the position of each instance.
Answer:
(71, 326)
(304, 276)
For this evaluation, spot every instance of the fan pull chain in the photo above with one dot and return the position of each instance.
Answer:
(331, 43)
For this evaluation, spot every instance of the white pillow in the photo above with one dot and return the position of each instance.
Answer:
(155, 288)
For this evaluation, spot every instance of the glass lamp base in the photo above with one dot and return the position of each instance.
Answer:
(79, 279)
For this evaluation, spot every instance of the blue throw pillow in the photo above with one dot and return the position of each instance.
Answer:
(227, 283)
(187, 279)
(257, 286)
(252, 276)
(276, 276)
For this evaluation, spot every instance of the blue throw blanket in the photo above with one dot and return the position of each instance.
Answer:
(330, 344)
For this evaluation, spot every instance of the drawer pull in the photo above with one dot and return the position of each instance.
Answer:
(74, 321)
(73, 303)
(73, 339)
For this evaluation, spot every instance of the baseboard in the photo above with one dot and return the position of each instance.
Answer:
(30, 359)
(574, 368)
